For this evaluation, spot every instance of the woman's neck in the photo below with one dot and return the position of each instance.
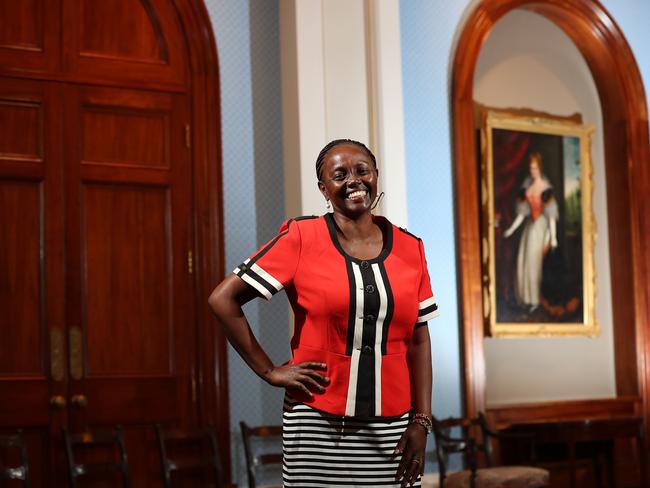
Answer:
(359, 237)
(361, 227)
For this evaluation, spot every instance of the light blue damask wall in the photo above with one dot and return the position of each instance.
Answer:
(632, 17)
(247, 34)
(427, 30)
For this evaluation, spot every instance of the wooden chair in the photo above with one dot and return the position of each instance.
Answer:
(255, 461)
(203, 454)
(473, 446)
(15, 442)
(85, 443)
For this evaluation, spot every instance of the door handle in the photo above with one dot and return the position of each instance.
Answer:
(79, 401)
(57, 363)
(57, 402)
(76, 351)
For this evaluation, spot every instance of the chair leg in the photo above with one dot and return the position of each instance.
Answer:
(597, 469)
(611, 467)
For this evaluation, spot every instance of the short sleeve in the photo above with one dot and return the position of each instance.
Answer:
(427, 306)
(273, 266)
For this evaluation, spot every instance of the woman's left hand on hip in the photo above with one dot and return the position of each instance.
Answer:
(411, 445)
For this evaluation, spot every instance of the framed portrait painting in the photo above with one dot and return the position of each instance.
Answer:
(538, 229)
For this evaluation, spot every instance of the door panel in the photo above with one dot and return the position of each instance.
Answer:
(23, 338)
(22, 24)
(31, 266)
(21, 138)
(124, 41)
(146, 131)
(132, 33)
(128, 252)
(128, 219)
(29, 42)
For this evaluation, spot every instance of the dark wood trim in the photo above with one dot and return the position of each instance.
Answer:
(502, 416)
(212, 372)
(627, 154)
(62, 77)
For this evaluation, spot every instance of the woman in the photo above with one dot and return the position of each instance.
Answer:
(358, 402)
(537, 207)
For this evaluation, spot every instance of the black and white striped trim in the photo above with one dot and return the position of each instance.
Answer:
(356, 326)
(427, 310)
(322, 450)
(371, 310)
(258, 278)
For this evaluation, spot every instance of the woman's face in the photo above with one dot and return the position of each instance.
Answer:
(533, 167)
(349, 180)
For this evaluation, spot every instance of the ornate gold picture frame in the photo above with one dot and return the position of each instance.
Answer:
(538, 229)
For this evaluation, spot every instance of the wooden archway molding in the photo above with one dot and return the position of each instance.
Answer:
(203, 68)
(627, 162)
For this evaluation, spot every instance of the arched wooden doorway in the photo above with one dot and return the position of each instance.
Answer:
(111, 227)
(627, 154)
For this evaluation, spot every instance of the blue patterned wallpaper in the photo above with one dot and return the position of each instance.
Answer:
(247, 34)
(427, 31)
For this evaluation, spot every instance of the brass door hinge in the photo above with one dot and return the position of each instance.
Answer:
(190, 262)
(188, 136)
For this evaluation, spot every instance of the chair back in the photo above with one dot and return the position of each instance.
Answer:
(76, 445)
(14, 442)
(466, 436)
(189, 450)
(473, 439)
(256, 460)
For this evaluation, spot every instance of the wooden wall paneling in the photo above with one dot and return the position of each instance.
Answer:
(129, 193)
(624, 107)
(627, 373)
(32, 267)
(506, 415)
(208, 230)
(132, 41)
(30, 36)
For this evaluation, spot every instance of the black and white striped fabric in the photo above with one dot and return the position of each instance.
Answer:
(427, 310)
(323, 450)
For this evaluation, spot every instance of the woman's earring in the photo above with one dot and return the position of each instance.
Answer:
(328, 205)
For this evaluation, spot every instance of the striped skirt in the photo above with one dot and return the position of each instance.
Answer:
(323, 450)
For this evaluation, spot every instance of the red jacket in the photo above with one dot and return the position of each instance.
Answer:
(356, 316)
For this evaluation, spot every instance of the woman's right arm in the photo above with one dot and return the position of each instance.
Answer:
(513, 227)
(226, 302)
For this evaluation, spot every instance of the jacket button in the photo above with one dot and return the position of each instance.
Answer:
(369, 318)
(370, 289)
(367, 349)
(364, 264)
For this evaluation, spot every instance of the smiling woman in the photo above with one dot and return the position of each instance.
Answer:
(358, 388)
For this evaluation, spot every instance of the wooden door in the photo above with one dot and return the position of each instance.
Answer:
(95, 255)
(32, 318)
(97, 221)
(129, 302)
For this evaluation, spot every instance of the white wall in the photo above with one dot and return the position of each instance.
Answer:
(529, 62)
(341, 78)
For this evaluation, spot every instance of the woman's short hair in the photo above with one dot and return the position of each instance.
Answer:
(320, 160)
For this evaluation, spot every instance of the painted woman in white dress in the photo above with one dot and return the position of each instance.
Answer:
(538, 211)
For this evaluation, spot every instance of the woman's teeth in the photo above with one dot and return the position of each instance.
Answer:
(357, 194)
